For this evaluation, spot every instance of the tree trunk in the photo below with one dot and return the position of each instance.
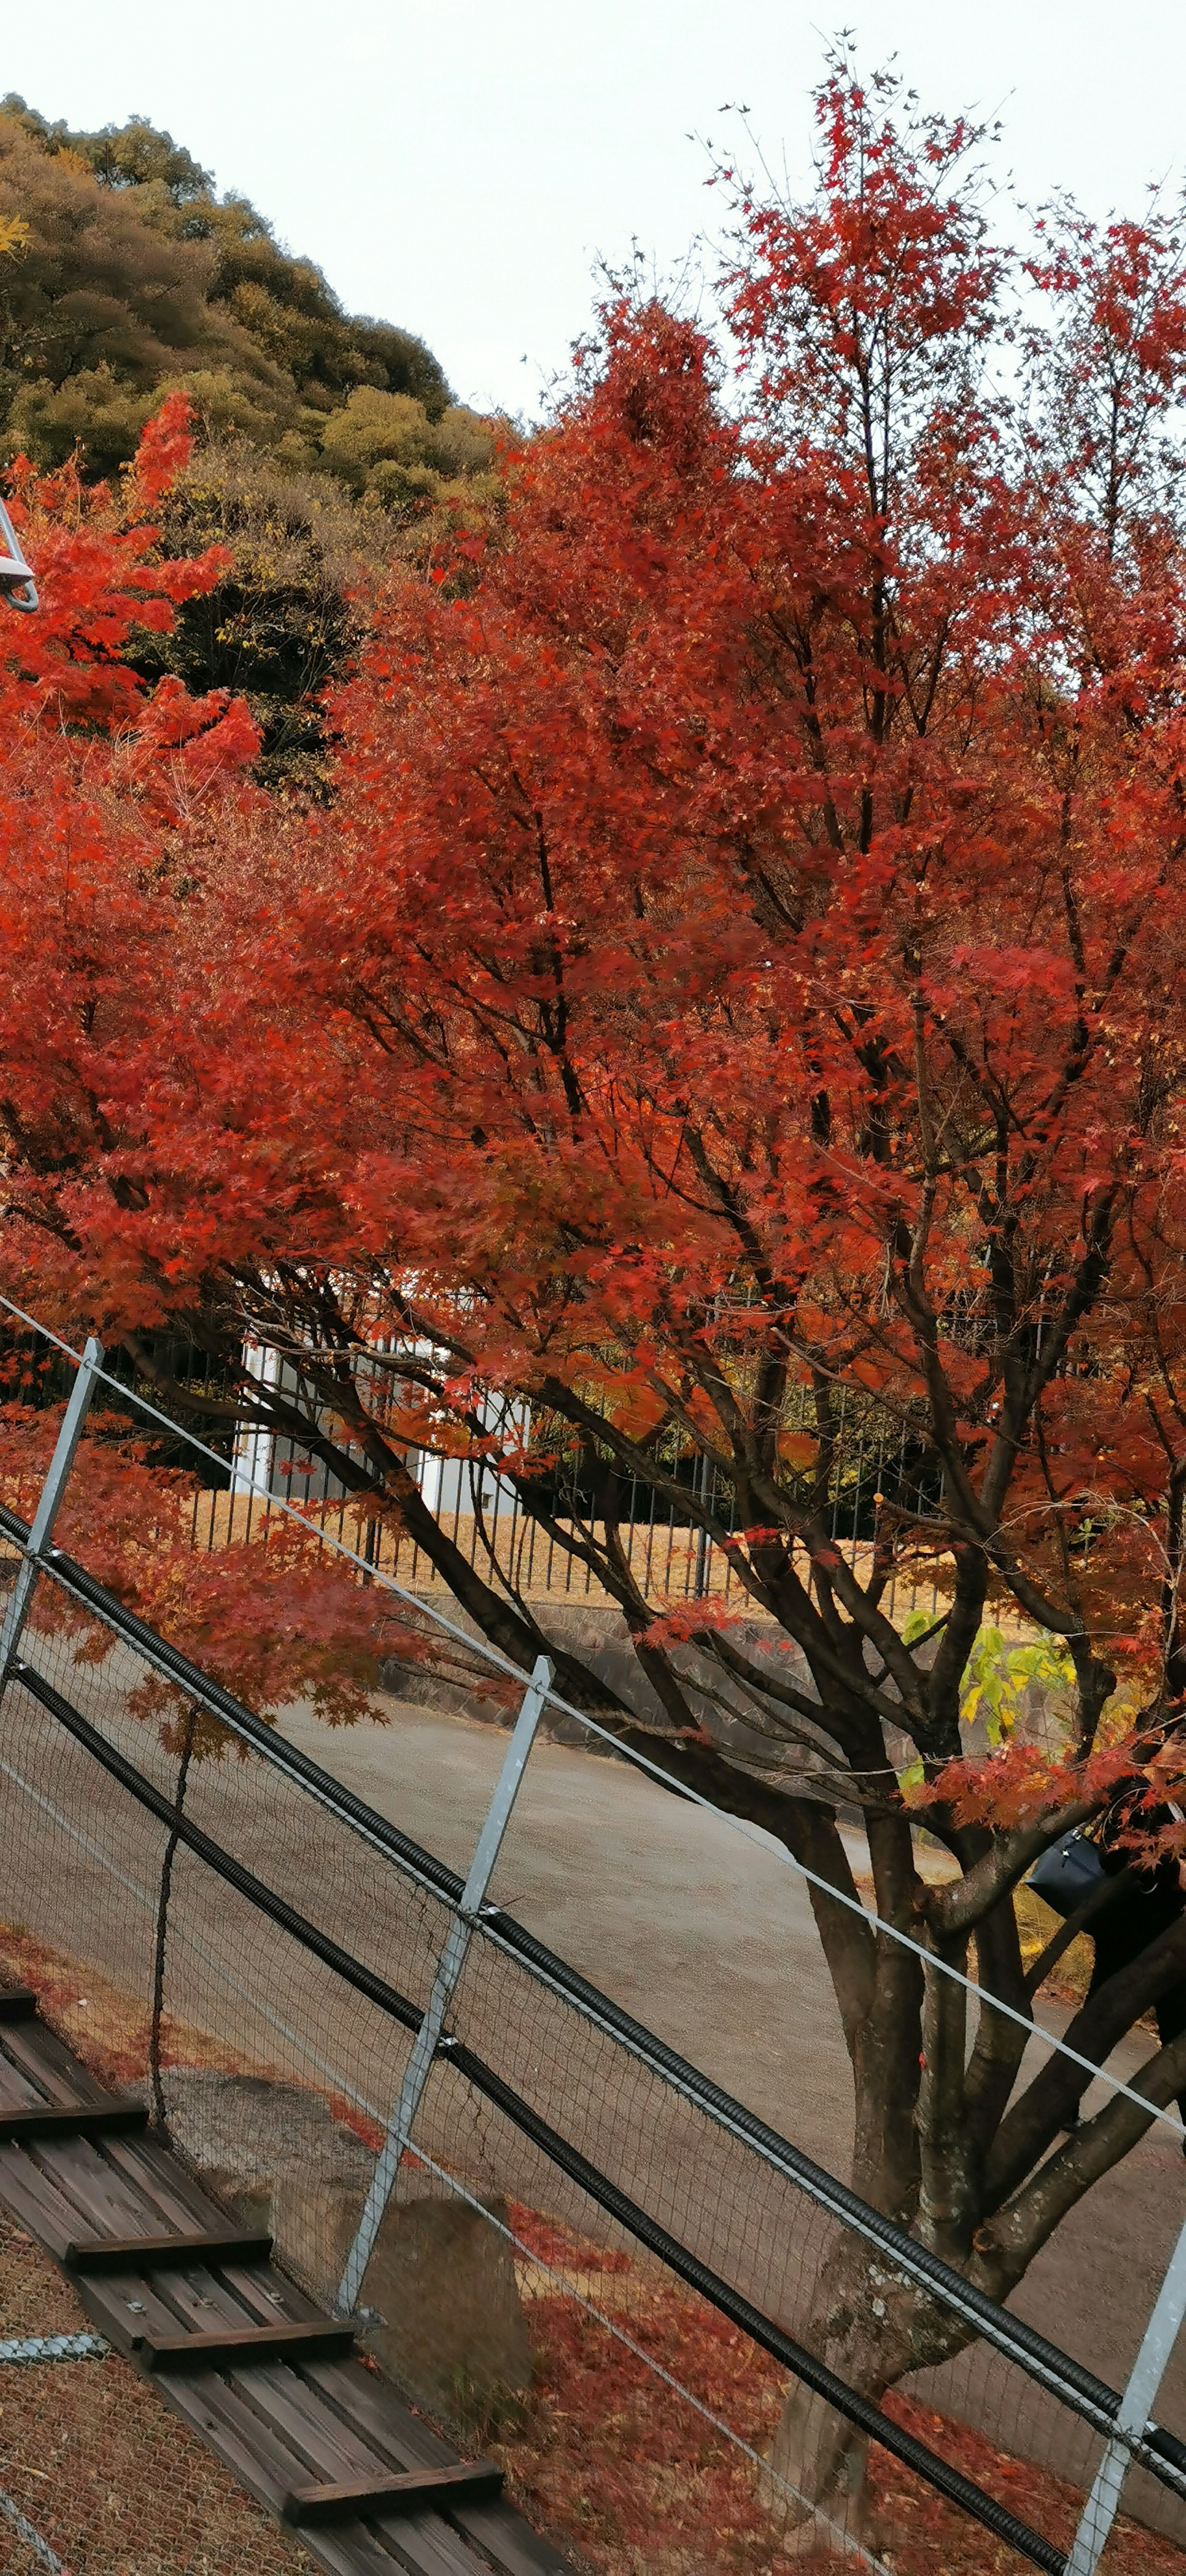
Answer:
(873, 2327)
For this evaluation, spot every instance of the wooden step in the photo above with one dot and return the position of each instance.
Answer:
(404, 2491)
(234, 2347)
(157, 2253)
(110, 2119)
(273, 2428)
(18, 2004)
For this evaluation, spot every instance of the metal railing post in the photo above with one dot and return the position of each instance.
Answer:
(57, 1477)
(452, 1960)
(1132, 2416)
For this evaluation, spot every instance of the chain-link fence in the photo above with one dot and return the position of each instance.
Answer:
(571, 2180)
(671, 2322)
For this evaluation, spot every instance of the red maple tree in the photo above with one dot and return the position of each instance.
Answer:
(115, 801)
(737, 979)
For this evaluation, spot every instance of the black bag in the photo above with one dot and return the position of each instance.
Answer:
(1067, 1873)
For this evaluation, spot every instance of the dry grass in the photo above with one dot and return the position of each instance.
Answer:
(109, 2028)
(1037, 1923)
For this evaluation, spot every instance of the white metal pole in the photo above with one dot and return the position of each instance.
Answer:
(47, 1507)
(452, 1961)
(1136, 2406)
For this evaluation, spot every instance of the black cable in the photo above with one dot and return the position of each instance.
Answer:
(277, 1908)
(861, 2411)
(857, 2410)
(1008, 2333)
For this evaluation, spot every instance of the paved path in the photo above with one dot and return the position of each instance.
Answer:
(684, 1921)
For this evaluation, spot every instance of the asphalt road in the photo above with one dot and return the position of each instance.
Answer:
(683, 1920)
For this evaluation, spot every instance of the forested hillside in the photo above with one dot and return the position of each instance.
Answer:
(325, 438)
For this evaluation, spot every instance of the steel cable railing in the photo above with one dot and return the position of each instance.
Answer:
(857, 2410)
(558, 2114)
(1045, 2361)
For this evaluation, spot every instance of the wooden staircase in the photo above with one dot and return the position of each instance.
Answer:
(267, 2379)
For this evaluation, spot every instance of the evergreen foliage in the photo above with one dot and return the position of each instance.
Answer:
(324, 438)
(284, 616)
(132, 275)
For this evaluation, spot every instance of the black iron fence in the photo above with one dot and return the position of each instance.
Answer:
(538, 1531)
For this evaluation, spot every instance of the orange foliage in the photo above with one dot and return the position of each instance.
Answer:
(273, 1620)
(617, 2461)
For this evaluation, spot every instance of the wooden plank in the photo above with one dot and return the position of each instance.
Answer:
(104, 2201)
(296, 2403)
(83, 2173)
(367, 2404)
(267, 2468)
(404, 2491)
(18, 2003)
(159, 2253)
(203, 2303)
(38, 2202)
(124, 2306)
(418, 2541)
(428, 2546)
(166, 2199)
(501, 2531)
(396, 2433)
(74, 2120)
(49, 2062)
(16, 2091)
(353, 2553)
(357, 2550)
(260, 2297)
(229, 2346)
(242, 2298)
(150, 2166)
(332, 2449)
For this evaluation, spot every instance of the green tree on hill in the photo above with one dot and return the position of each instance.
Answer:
(327, 440)
(287, 615)
(135, 274)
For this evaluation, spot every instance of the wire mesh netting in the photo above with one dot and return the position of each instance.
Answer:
(269, 2007)
(97, 2466)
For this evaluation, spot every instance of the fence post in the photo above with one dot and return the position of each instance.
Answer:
(451, 1963)
(1136, 2406)
(48, 1501)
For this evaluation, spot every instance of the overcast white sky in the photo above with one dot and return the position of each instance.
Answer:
(459, 167)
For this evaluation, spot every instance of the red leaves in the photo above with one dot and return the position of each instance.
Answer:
(739, 976)
(108, 808)
(1111, 365)
(690, 1619)
(164, 448)
(613, 2455)
(1020, 1784)
(184, 746)
(98, 578)
(267, 1616)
